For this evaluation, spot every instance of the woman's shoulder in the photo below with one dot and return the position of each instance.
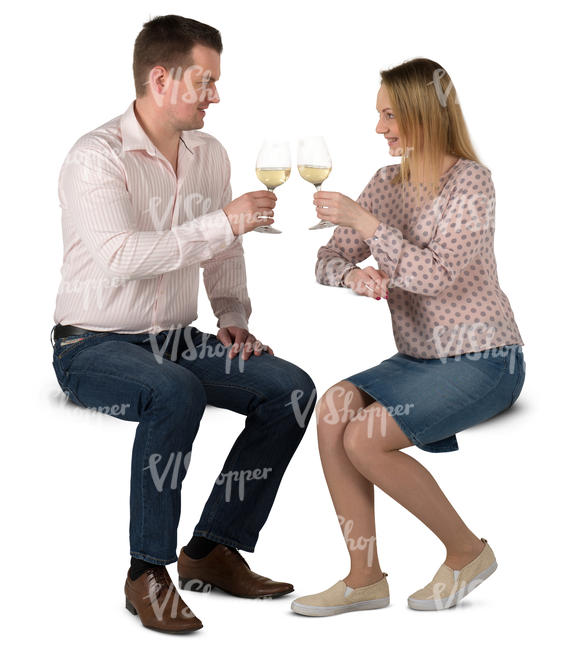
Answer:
(471, 176)
(384, 174)
(465, 172)
(469, 167)
(388, 171)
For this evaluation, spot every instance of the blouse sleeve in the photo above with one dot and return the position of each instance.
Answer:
(346, 247)
(462, 223)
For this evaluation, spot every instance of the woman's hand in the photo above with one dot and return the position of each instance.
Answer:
(343, 211)
(368, 282)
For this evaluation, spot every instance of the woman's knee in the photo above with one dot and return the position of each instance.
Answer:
(340, 403)
(356, 441)
(373, 432)
(334, 410)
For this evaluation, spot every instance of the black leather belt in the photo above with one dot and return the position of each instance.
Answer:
(71, 330)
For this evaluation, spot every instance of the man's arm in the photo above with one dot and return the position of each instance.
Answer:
(93, 191)
(225, 280)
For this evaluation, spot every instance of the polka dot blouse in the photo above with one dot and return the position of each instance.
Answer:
(444, 295)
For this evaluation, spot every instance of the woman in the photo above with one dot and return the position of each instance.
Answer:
(429, 224)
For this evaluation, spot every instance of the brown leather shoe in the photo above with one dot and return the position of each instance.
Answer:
(226, 569)
(154, 598)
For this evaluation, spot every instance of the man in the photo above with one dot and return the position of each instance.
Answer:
(145, 202)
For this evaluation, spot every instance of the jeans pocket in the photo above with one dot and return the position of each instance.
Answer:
(67, 345)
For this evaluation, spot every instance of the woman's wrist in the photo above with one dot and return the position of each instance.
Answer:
(368, 226)
(345, 275)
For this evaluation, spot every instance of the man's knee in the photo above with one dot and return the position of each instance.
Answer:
(180, 393)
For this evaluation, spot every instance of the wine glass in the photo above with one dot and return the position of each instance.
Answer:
(273, 168)
(314, 164)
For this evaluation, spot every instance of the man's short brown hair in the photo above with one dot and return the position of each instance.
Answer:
(167, 41)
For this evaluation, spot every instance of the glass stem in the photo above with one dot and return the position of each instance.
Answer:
(318, 188)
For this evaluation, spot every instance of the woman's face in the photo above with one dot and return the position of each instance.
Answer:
(387, 124)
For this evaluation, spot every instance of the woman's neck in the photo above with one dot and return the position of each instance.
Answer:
(448, 162)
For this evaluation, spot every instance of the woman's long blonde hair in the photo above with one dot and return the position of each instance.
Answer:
(424, 101)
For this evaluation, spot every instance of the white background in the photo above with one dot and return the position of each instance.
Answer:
(293, 68)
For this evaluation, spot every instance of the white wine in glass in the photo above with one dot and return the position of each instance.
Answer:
(273, 168)
(314, 165)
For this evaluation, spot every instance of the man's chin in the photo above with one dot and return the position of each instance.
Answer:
(194, 125)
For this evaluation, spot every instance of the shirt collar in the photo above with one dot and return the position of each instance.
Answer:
(135, 138)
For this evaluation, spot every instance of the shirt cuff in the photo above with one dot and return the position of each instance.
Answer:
(385, 245)
(232, 319)
(346, 268)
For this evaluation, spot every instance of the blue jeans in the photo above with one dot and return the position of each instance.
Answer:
(164, 382)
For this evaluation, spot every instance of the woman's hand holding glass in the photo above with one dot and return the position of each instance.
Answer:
(340, 210)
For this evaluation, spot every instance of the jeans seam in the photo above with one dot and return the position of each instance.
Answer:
(145, 556)
(519, 376)
(134, 380)
(224, 540)
(235, 386)
(215, 508)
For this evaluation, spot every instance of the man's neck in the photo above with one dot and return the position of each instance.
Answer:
(158, 130)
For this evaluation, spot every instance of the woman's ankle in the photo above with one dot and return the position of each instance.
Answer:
(363, 577)
(459, 557)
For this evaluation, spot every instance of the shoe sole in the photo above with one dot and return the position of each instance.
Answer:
(195, 584)
(130, 607)
(315, 610)
(451, 601)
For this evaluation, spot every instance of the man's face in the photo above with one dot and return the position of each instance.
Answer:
(189, 90)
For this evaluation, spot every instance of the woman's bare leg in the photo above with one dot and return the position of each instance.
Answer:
(372, 442)
(352, 494)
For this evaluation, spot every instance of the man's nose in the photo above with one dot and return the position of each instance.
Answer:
(213, 95)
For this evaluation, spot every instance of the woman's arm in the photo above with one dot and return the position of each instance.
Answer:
(346, 247)
(461, 231)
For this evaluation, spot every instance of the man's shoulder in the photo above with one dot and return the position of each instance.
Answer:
(104, 138)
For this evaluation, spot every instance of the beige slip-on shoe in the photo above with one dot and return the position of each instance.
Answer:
(449, 586)
(339, 599)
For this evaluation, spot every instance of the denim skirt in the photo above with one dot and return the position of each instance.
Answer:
(433, 399)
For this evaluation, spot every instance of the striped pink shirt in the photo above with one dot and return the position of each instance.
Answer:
(135, 234)
(444, 294)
